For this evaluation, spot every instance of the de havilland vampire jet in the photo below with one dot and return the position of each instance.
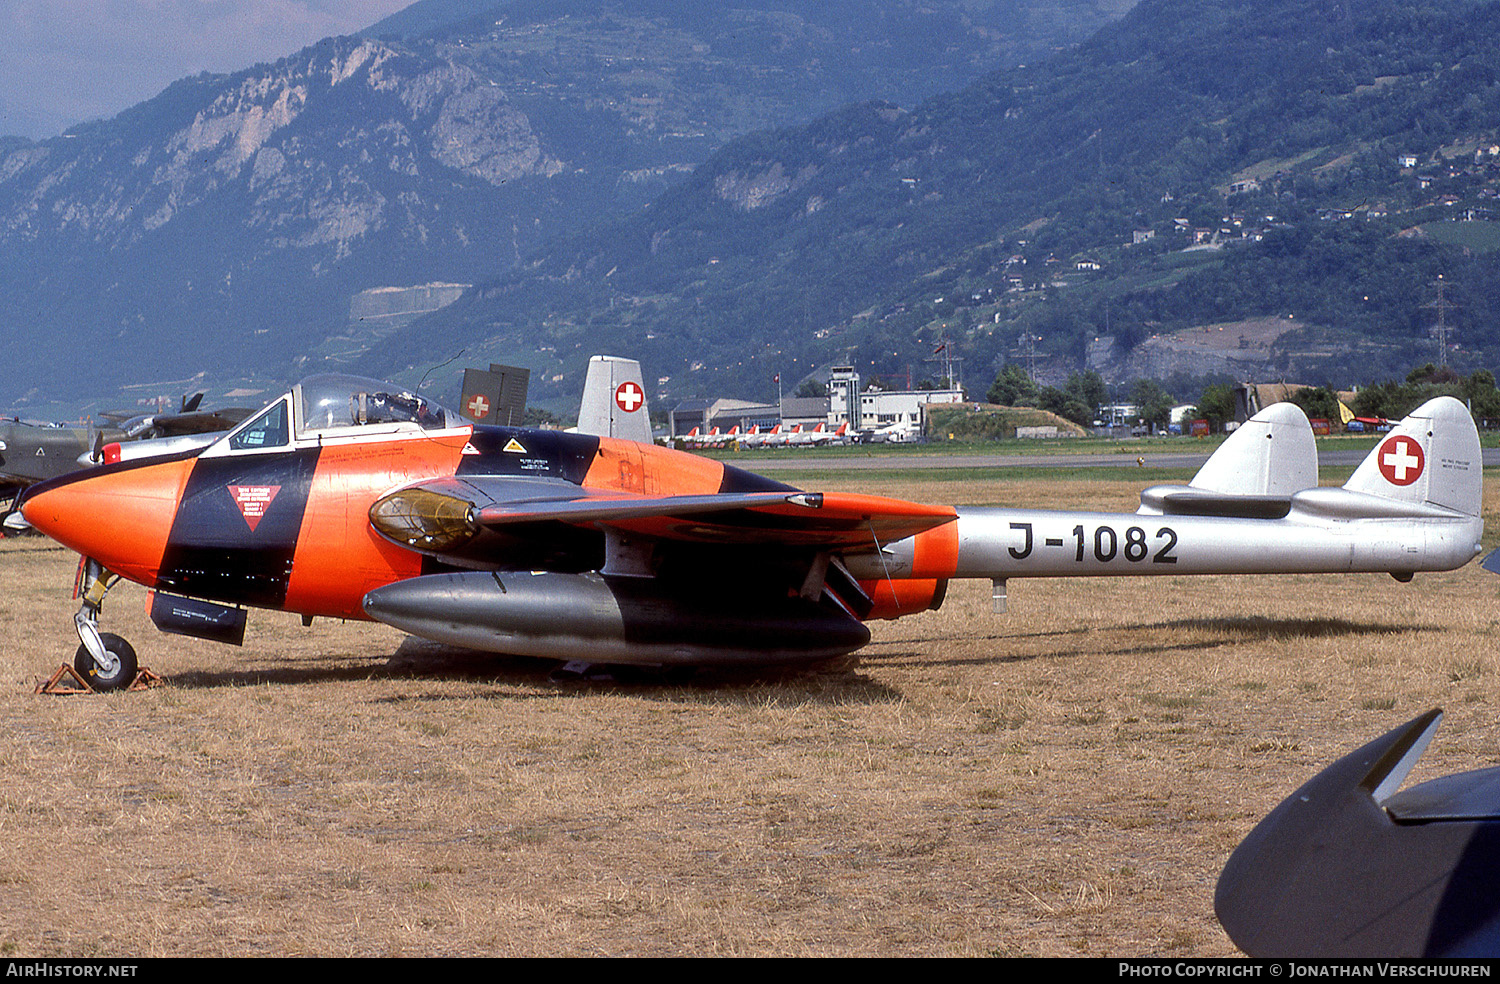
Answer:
(353, 498)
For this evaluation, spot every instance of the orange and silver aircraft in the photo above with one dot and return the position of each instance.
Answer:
(757, 438)
(713, 439)
(821, 435)
(352, 498)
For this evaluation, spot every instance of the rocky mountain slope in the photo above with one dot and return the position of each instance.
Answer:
(226, 224)
(1313, 152)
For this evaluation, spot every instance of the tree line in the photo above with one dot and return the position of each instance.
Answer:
(1080, 397)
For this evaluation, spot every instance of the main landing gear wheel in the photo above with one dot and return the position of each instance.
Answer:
(124, 669)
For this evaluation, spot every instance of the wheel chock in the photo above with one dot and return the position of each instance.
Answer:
(55, 685)
(59, 684)
(144, 680)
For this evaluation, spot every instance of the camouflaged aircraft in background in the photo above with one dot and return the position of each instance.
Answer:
(32, 452)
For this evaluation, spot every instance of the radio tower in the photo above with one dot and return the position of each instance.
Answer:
(1026, 349)
(944, 354)
(1441, 330)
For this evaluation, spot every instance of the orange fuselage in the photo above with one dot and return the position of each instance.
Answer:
(289, 529)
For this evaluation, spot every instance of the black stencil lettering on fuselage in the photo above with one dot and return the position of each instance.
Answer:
(213, 552)
(545, 454)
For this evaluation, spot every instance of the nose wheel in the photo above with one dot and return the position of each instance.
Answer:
(118, 672)
(104, 659)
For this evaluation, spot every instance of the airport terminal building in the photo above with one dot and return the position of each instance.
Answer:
(869, 410)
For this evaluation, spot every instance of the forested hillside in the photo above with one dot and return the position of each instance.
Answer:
(224, 226)
(1315, 155)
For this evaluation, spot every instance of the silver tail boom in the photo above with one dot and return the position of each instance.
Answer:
(1254, 508)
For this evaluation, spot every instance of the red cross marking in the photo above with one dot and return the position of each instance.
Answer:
(628, 396)
(478, 407)
(1400, 460)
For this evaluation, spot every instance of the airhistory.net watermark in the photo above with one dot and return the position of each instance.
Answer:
(57, 968)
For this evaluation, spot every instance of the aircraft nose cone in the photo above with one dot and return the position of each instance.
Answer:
(119, 518)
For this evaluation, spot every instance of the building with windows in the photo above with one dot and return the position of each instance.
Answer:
(877, 409)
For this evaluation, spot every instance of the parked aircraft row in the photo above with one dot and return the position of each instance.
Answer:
(776, 437)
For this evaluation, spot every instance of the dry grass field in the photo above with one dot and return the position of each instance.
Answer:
(1066, 779)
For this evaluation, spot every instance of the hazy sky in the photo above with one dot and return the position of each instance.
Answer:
(66, 61)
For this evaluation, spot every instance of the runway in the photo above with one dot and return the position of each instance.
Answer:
(1336, 458)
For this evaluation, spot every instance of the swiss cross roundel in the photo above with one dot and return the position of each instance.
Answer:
(628, 397)
(478, 407)
(1400, 460)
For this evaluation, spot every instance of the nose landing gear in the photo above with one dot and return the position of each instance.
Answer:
(116, 670)
(104, 660)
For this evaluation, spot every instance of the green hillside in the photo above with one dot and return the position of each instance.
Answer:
(1273, 129)
(223, 227)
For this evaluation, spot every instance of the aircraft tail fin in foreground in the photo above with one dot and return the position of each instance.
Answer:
(1347, 866)
(614, 400)
(1431, 458)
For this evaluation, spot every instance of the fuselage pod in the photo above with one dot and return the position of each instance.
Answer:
(608, 619)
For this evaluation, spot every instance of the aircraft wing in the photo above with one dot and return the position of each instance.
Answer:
(189, 422)
(436, 515)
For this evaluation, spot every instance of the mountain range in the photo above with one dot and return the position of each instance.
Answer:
(1198, 162)
(738, 193)
(231, 230)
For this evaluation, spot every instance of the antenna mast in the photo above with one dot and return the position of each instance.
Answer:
(1441, 330)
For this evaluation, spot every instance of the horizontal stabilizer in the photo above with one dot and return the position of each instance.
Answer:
(1467, 796)
(1181, 500)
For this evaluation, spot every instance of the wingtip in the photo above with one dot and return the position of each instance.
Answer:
(1396, 760)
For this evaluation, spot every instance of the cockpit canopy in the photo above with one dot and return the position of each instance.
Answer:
(335, 404)
(336, 401)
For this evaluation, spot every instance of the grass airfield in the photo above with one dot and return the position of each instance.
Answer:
(1064, 779)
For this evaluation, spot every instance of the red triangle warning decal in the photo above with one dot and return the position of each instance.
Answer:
(253, 501)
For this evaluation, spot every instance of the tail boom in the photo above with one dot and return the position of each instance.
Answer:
(1413, 505)
(1002, 543)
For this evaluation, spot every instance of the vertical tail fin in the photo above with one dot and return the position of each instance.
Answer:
(1272, 453)
(1254, 474)
(614, 400)
(1431, 457)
